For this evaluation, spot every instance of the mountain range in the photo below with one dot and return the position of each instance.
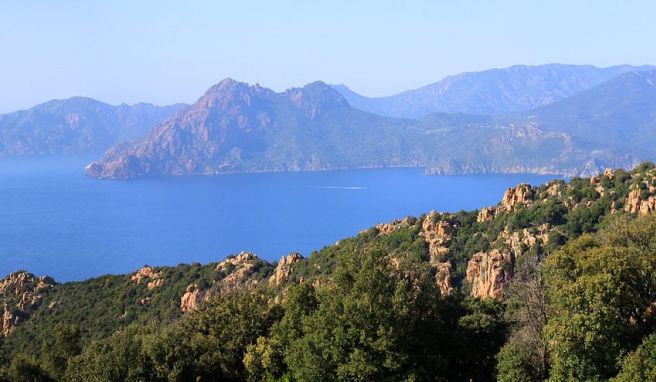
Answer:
(235, 127)
(556, 119)
(76, 125)
(505, 91)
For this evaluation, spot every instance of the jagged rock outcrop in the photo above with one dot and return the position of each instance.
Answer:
(191, 299)
(20, 294)
(609, 174)
(388, 228)
(486, 214)
(285, 268)
(443, 277)
(437, 230)
(147, 273)
(522, 195)
(520, 241)
(237, 271)
(555, 189)
(636, 203)
(489, 272)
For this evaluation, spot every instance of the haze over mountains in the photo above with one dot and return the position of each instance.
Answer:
(76, 125)
(506, 91)
(556, 119)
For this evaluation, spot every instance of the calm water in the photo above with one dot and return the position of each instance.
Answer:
(55, 221)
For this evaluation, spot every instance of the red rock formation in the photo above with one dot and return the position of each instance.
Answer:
(513, 197)
(20, 294)
(285, 268)
(191, 299)
(489, 272)
(437, 233)
(485, 214)
(636, 203)
(443, 277)
(147, 273)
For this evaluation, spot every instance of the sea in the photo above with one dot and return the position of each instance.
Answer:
(56, 221)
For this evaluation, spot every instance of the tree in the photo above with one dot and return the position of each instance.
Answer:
(117, 358)
(640, 365)
(378, 318)
(526, 352)
(210, 343)
(600, 290)
(64, 343)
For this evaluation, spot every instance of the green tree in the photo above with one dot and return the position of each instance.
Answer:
(64, 343)
(640, 365)
(117, 358)
(210, 343)
(600, 290)
(379, 318)
(514, 364)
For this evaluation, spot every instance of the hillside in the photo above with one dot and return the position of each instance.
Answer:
(619, 113)
(438, 294)
(76, 125)
(504, 91)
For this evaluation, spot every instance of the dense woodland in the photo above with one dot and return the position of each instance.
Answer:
(576, 306)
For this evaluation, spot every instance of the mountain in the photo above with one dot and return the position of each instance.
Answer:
(491, 92)
(562, 255)
(235, 127)
(620, 112)
(76, 125)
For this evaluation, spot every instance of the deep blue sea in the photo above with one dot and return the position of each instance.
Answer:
(56, 221)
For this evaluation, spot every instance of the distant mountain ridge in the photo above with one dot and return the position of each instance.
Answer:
(573, 127)
(235, 127)
(76, 125)
(511, 90)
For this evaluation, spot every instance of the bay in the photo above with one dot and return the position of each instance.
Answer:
(55, 221)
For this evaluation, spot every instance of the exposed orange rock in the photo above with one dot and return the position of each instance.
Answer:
(635, 203)
(437, 231)
(555, 189)
(609, 174)
(20, 294)
(237, 271)
(285, 268)
(191, 299)
(485, 214)
(155, 283)
(524, 238)
(388, 228)
(443, 277)
(147, 273)
(489, 272)
(520, 195)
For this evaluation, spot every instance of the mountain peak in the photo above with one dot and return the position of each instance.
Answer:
(316, 96)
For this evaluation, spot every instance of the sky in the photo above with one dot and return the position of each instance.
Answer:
(164, 52)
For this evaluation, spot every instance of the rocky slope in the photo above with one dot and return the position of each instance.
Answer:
(505, 91)
(75, 126)
(20, 295)
(474, 253)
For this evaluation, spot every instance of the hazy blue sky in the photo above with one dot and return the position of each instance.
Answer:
(171, 51)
